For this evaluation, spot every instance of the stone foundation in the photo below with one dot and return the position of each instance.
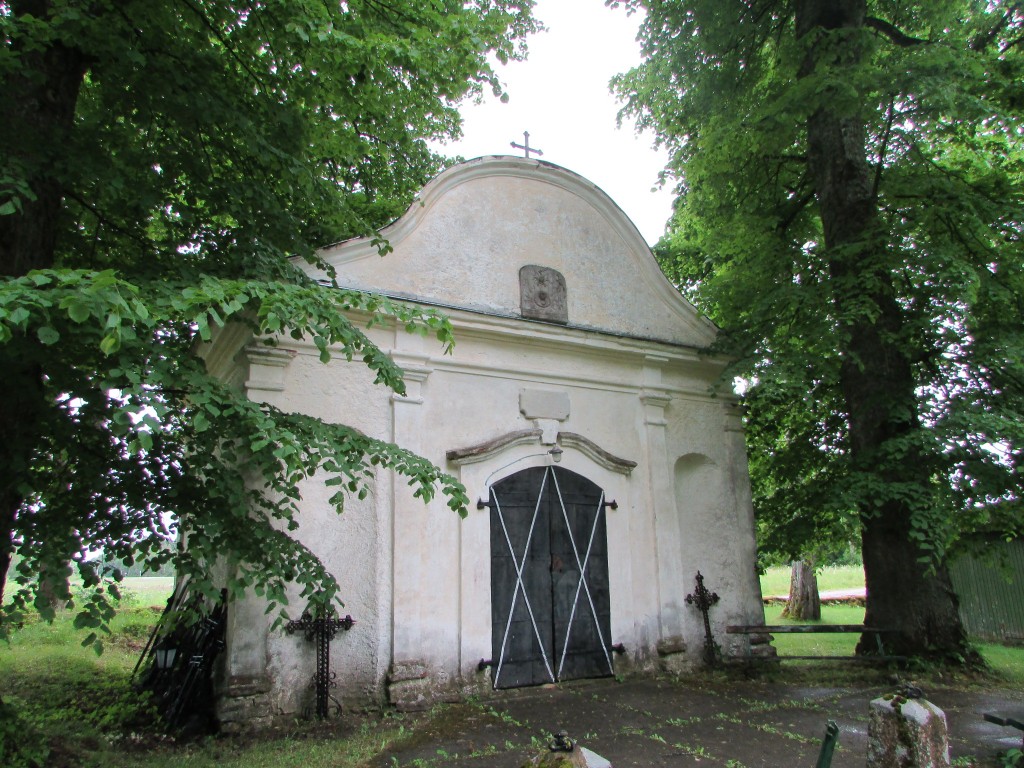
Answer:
(412, 688)
(761, 646)
(672, 656)
(244, 705)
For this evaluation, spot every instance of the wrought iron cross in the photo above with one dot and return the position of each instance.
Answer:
(322, 629)
(704, 599)
(525, 146)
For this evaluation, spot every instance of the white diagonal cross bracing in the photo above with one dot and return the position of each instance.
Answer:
(519, 563)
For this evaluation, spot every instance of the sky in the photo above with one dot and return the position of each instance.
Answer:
(560, 95)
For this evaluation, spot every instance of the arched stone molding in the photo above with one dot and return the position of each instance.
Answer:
(596, 453)
(491, 448)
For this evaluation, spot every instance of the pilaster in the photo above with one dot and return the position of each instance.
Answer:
(657, 536)
(415, 540)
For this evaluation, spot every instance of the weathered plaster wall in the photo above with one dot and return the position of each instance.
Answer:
(715, 518)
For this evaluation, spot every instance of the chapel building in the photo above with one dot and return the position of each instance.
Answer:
(581, 411)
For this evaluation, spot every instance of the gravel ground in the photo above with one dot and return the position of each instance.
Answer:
(723, 719)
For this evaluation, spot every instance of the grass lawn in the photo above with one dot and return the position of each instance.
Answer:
(149, 590)
(61, 699)
(817, 645)
(66, 705)
(1006, 662)
(775, 580)
(308, 745)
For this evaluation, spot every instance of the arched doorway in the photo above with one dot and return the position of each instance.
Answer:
(549, 579)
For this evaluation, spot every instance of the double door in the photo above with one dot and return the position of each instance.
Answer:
(549, 579)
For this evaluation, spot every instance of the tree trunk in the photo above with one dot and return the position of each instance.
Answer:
(37, 108)
(877, 377)
(54, 586)
(904, 595)
(804, 601)
(21, 393)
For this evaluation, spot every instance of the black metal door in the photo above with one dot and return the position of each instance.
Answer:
(549, 579)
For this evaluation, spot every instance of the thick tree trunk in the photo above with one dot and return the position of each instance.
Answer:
(876, 376)
(37, 108)
(903, 594)
(21, 393)
(804, 601)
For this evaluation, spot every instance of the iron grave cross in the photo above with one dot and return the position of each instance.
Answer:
(704, 598)
(321, 629)
(525, 146)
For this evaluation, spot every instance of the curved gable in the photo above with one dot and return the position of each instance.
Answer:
(473, 227)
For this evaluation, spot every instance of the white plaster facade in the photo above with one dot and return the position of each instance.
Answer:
(622, 388)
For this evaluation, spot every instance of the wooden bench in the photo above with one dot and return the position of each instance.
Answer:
(781, 629)
(1013, 722)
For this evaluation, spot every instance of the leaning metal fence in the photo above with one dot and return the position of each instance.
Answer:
(991, 592)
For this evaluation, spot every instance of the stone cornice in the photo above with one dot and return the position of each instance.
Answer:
(589, 448)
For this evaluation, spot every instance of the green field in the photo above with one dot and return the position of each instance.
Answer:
(150, 590)
(60, 697)
(1006, 662)
(62, 704)
(775, 580)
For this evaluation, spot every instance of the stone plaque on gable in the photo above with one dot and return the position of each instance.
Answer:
(542, 294)
(544, 404)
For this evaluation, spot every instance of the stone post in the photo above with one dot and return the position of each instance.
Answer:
(906, 733)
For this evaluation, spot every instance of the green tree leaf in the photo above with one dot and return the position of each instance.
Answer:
(47, 335)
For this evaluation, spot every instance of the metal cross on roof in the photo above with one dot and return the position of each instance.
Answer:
(525, 146)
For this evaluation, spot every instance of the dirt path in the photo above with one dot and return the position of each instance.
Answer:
(706, 721)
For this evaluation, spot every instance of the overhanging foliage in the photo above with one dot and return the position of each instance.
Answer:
(164, 163)
(850, 212)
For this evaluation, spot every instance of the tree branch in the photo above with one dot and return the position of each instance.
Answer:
(242, 63)
(1011, 44)
(981, 41)
(103, 220)
(894, 34)
(793, 211)
(890, 117)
